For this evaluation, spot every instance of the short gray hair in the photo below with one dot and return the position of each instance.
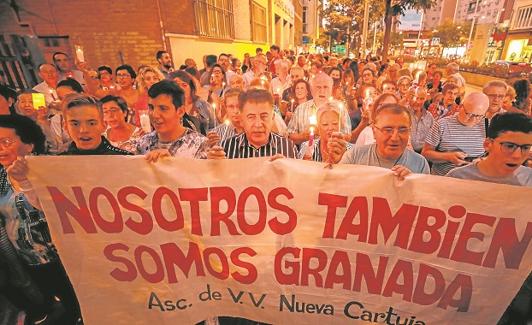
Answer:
(321, 76)
(495, 83)
(454, 66)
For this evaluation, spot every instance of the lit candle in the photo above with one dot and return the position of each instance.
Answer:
(223, 84)
(331, 98)
(310, 148)
(79, 54)
(292, 105)
(52, 94)
(145, 122)
(214, 111)
(311, 137)
(313, 120)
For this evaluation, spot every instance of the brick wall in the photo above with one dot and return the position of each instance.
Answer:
(107, 30)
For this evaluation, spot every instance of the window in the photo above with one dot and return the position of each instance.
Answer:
(304, 18)
(258, 23)
(523, 18)
(214, 18)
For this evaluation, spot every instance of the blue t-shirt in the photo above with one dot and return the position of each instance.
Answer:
(367, 155)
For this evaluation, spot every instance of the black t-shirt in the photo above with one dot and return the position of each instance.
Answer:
(105, 148)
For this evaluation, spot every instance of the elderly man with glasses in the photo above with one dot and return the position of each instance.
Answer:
(391, 128)
(496, 91)
(458, 139)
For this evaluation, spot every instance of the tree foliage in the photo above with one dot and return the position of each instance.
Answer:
(452, 35)
(395, 8)
(344, 18)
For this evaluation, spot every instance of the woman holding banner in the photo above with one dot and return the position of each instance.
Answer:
(26, 225)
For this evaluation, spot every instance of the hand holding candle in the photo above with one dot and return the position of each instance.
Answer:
(52, 93)
(313, 121)
(145, 121)
(214, 112)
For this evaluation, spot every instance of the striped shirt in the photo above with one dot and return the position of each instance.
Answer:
(316, 150)
(448, 134)
(225, 131)
(299, 122)
(239, 147)
(420, 129)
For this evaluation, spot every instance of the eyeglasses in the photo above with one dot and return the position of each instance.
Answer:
(510, 147)
(6, 142)
(473, 116)
(123, 75)
(390, 131)
(496, 96)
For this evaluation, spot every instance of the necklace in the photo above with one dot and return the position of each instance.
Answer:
(394, 163)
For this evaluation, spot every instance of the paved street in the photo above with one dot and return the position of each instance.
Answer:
(471, 88)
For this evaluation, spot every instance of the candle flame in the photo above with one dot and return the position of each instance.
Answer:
(313, 120)
(227, 122)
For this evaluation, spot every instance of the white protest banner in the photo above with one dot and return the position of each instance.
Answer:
(284, 242)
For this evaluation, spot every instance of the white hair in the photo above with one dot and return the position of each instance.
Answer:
(321, 77)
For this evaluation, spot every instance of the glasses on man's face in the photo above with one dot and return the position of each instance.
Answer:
(389, 131)
(474, 116)
(496, 96)
(6, 142)
(123, 75)
(510, 147)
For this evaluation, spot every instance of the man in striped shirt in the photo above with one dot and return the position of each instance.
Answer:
(231, 125)
(457, 140)
(257, 140)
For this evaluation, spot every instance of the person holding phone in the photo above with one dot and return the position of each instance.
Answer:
(32, 104)
(508, 142)
(454, 138)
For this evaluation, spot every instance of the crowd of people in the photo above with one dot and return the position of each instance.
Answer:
(277, 104)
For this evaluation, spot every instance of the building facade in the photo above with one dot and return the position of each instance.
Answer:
(441, 11)
(518, 43)
(311, 24)
(117, 32)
